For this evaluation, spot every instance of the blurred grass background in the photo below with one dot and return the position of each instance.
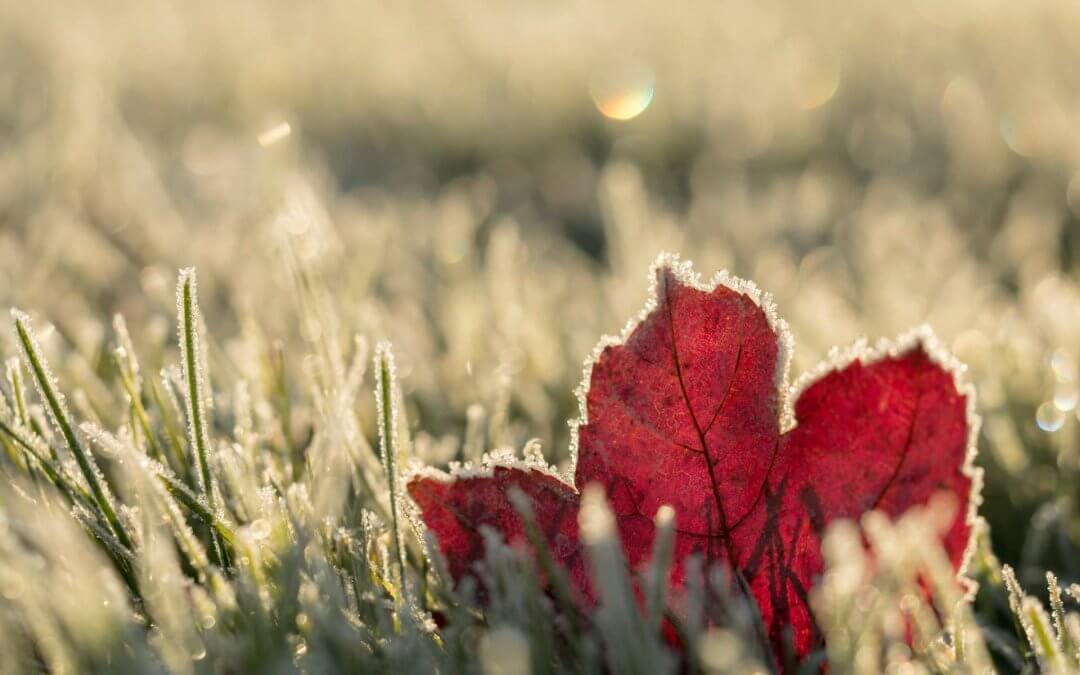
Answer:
(456, 177)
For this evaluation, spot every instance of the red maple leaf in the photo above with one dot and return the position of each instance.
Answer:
(691, 408)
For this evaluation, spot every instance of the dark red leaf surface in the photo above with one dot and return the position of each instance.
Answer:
(688, 409)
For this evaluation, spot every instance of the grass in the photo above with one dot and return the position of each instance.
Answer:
(230, 565)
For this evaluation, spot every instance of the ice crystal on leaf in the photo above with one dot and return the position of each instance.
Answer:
(690, 408)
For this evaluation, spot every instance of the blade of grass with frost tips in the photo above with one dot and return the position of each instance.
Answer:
(387, 413)
(124, 559)
(18, 391)
(13, 373)
(172, 436)
(16, 457)
(72, 490)
(434, 564)
(560, 586)
(1042, 637)
(279, 399)
(198, 436)
(630, 646)
(82, 502)
(186, 540)
(183, 495)
(555, 576)
(55, 402)
(1015, 595)
(1057, 608)
(167, 489)
(657, 581)
(13, 453)
(138, 411)
(89, 521)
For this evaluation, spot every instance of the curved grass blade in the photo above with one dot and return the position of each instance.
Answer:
(54, 400)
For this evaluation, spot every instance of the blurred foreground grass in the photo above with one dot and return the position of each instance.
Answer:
(443, 177)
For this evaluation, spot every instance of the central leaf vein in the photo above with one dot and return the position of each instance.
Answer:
(697, 426)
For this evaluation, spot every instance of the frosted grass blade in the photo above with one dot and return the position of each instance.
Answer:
(385, 398)
(46, 385)
(195, 386)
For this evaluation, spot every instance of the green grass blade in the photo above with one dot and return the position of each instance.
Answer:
(1057, 609)
(173, 435)
(18, 390)
(191, 363)
(71, 489)
(660, 564)
(1042, 637)
(138, 411)
(632, 648)
(385, 398)
(185, 498)
(560, 585)
(54, 400)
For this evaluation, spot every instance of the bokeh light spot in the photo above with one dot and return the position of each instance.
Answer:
(1066, 397)
(624, 93)
(1049, 418)
(277, 132)
(1063, 365)
(815, 75)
